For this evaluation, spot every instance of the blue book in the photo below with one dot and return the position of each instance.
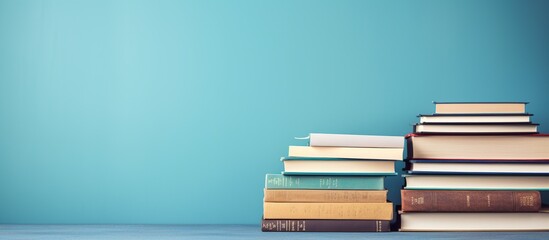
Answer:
(279, 181)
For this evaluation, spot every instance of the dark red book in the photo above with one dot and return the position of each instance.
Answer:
(470, 201)
(293, 225)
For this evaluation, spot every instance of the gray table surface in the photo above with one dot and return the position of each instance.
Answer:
(227, 232)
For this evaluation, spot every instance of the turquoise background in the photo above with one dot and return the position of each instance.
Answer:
(174, 111)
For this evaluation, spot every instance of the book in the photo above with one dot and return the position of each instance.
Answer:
(348, 140)
(320, 225)
(319, 196)
(335, 166)
(475, 118)
(494, 167)
(430, 221)
(476, 128)
(479, 107)
(497, 147)
(470, 201)
(348, 211)
(279, 181)
(476, 182)
(341, 152)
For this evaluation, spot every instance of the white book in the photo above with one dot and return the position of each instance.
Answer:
(348, 140)
(477, 182)
(438, 221)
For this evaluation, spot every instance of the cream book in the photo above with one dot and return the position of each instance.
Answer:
(335, 166)
(342, 152)
(479, 107)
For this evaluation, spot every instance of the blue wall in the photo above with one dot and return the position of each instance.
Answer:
(173, 111)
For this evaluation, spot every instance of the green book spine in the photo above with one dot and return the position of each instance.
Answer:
(279, 181)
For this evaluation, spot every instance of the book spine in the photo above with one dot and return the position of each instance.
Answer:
(301, 225)
(470, 201)
(348, 211)
(279, 181)
(273, 195)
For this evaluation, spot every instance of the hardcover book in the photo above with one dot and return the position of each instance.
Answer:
(479, 107)
(337, 166)
(348, 211)
(327, 196)
(481, 147)
(476, 182)
(475, 128)
(346, 152)
(475, 118)
(279, 181)
(320, 225)
(470, 201)
(361, 141)
(430, 221)
(478, 167)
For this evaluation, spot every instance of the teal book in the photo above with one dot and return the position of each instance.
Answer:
(279, 181)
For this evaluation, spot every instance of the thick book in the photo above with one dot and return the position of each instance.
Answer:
(279, 181)
(481, 147)
(348, 140)
(479, 107)
(476, 128)
(346, 152)
(325, 196)
(475, 118)
(430, 221)
(337, 166)
(470, 201)
(320, 225)
(494, 167)
(348, 211)
(476, 182)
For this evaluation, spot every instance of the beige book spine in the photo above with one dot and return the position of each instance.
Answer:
(362, 211)
(340, 152)
(325, 196)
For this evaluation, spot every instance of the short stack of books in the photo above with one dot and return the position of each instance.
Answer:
(336, 184)
(476, 167)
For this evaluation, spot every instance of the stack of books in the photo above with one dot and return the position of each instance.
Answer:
(476, 167)
(336, 184)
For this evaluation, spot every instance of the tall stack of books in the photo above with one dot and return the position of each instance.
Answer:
(476, 167)
(336, 184)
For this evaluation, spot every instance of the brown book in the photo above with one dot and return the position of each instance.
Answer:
(319, 225)
(326, 196)
(350, 211)
(470, 201)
